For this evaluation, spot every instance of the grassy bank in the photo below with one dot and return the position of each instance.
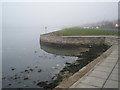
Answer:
(81, 31)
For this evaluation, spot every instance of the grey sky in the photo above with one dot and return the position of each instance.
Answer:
(57, 14)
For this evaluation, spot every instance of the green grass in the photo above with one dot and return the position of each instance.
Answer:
(81, 31)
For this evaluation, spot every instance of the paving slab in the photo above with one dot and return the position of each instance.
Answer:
(110, 60)
(82, 85)
(111, 84)
(99, 74)
(94, 81)
(115, 71)
(113, 77)
(116, 65)
(107, 64)
(104, 69)
(109, 89)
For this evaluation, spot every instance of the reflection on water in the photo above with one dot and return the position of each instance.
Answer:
(65, 51)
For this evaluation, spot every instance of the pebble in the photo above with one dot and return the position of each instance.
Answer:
(21, 72)
(57, 65)
(36, 66)
(26, 78)
(31, 69)
(15, 74)
(34, 81)
(19, 82)
(35, 51)
(28, 66)
(39, 70)
(55, 55)
(54, 78)
(67, 63)
(90, 46)
(9, 84)
(26, 71)
(13, 69)
(25, 85)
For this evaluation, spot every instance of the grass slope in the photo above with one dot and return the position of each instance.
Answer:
(81, 31)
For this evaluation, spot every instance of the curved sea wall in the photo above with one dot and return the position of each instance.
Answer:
(79, 40)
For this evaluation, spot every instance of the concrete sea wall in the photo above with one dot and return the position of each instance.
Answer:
(79, 40)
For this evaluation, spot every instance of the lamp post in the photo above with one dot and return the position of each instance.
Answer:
(45, 29)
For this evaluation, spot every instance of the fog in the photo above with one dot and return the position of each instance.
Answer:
(0, 45)
(57, 14)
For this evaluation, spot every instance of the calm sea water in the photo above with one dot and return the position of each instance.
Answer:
(21, 51)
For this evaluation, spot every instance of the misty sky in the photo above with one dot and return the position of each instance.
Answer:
(57, 14)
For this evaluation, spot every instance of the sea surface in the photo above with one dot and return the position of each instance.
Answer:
(24, 63)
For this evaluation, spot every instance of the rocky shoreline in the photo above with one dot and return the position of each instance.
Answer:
(70, 68)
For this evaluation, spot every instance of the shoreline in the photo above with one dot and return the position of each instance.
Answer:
(72, 79)
(71, 68)
(84, 40)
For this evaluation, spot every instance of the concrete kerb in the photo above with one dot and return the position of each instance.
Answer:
(71, 80)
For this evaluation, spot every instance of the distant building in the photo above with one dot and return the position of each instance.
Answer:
(97, 27)
(116, 25)
(85, 27)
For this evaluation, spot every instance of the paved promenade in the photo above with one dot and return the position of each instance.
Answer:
(104, 74)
